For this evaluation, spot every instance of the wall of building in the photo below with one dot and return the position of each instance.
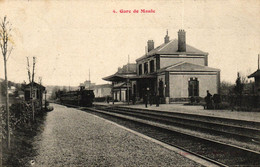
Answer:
(167, 61)
(106, 91)
(179, 84)
(102, 91)
(147, 60)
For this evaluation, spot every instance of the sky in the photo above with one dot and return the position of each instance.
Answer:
(69, 38)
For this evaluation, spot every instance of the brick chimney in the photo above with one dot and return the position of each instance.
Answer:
(166, 38)
(181, 41)
(150, 45)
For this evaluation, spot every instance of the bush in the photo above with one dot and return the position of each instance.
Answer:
(22, 131)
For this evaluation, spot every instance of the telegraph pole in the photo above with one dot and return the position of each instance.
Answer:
(127, 80)
(89, 78)
(258, 61)
(32, 87)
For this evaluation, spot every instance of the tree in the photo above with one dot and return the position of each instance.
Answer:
(31, 80)
(239, 85)
(64, 89)
(5, 40)
(226, 87)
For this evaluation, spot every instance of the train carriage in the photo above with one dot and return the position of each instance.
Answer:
(82, 98)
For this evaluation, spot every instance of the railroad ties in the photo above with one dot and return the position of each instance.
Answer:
(217, 144)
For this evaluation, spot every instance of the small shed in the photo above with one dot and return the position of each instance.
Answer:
(37, 90)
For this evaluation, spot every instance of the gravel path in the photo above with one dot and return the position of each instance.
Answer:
(76, 138)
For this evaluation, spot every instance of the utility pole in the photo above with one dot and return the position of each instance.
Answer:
(5, 29)
(127, 81)
(258, 62)
(41, 98)
(89, 78)
(32, 88)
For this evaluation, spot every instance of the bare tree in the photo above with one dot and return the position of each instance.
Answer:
(6, 48)
(31, 80)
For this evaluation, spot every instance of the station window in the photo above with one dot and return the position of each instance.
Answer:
(146, 68)
(193, 87)
(152, 66)
(140, 69)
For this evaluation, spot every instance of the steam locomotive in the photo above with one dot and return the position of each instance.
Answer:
(83, 98)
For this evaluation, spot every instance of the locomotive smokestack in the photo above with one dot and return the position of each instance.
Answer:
(181, 41)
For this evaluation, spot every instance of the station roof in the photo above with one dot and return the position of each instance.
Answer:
(119, 77)
(127, 71)
(188, 67)
(256, 74)
(171, 48)
(122, 85)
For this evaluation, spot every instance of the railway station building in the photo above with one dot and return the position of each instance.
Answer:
(256, 76)
(121, 84)
(174, 70)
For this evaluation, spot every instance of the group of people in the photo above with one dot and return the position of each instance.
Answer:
(151, 99)
(212, 101)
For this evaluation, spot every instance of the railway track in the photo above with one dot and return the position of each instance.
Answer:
(158, 125)
(245, 131)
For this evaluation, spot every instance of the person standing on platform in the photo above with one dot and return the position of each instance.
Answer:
(145, 100)
(157, 100)
(151, 99)
(134, 99)
(208, 100)
(107, 99)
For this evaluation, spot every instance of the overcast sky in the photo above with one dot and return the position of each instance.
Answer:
(70, 37)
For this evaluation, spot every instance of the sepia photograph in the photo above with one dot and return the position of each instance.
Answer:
(129, 83)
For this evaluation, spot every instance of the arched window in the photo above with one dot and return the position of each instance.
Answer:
(193, 87)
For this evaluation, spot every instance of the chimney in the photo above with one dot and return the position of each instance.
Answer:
(181, 41)
(150, 45)
(166, 38)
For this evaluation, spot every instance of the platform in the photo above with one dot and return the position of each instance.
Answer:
(195, 109)
(72, 137)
